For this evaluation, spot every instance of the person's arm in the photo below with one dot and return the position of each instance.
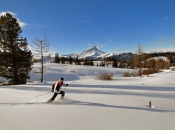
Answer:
(65, 84)
(57, 86)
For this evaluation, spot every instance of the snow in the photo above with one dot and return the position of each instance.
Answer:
(90, 104)
(92, 52)
(159, 57)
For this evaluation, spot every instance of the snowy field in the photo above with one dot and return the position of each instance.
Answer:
(90, 104)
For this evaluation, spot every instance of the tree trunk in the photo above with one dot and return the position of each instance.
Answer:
(41, 63)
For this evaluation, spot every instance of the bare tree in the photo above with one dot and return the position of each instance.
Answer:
(139, 53)
(41, 47)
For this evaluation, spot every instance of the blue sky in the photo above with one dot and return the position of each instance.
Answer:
(115, 26)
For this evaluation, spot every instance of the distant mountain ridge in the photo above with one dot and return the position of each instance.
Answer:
(95, 53)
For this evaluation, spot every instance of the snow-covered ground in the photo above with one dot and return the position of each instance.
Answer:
(90, 104)
(159, 57)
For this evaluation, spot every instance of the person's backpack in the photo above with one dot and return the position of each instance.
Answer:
(57, 87)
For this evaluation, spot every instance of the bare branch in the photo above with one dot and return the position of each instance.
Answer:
(139, 50)
(41, 46)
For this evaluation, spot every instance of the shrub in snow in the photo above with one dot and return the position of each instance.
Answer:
(143, 72)
(105, 76)
(173, 69)
(149, 71)
(130, 74)
(126, 74)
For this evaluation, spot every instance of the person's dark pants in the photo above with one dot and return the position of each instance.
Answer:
(55, 95)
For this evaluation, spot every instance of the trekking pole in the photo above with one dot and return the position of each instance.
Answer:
(43, 94)
(65, 87)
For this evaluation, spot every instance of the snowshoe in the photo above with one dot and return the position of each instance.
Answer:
(49, 100)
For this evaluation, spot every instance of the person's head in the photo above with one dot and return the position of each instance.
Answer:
(62, 79)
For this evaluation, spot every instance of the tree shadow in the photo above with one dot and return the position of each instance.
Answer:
(55, 76)
(74, 102)
(117, 93)
(129, 87)
(112, 90)
(92, 104)
(27, 87)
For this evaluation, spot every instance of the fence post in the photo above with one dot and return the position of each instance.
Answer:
(150, 105)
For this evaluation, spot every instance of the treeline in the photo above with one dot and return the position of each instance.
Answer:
(70, 60)
(153, 61)
(90, 61)
(146, 61)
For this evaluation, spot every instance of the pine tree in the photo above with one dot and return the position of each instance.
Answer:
(77, 61)
(57, 59)
(102, 64)
(16, 59)
(70, 60)
(114, 63)
(63, 60)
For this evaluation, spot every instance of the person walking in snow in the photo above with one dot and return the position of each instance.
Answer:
(56, 88)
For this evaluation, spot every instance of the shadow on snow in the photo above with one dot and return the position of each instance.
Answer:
(81, 103)
(81, 89)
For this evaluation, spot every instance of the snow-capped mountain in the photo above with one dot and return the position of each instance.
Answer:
(97, 54)
(93, 52)
(111, 54)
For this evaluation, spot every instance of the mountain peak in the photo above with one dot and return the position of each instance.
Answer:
(92, 52)
(94, 47)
